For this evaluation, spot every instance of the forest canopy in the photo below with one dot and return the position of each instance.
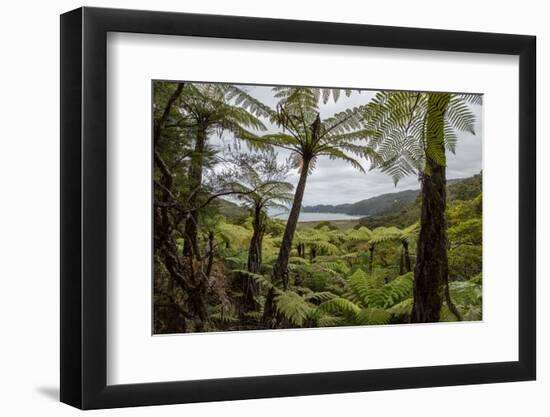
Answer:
(234, 248)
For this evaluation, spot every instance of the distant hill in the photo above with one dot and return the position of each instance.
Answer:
(402, 206)
(369, 207)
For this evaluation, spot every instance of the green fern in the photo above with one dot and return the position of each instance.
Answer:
(293, 307)
(362, 284)
(402, 308)
(340, 305)
(262, 280)
(467, 297)
(319, 296)
(373, 316)
(329, 321)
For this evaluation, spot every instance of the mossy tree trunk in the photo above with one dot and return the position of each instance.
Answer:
(431, 269)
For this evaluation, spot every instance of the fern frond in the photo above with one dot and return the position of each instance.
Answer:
(293, 307)
(329, 321)
(262, 280)
(320, 296)
(402, 308)
(340, 305)
(373, 316)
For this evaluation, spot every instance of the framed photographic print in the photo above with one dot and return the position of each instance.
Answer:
(257, 208)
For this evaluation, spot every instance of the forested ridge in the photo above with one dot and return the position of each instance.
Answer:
(376, 205)
(221, 263)
(384, 204)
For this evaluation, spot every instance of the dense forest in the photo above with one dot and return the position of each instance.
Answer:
(222, 262)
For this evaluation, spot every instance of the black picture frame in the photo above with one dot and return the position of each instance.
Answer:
(84, 207)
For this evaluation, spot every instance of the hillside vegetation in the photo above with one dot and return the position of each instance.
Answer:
(402, 214)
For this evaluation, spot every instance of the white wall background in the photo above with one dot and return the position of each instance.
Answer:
(29, 225)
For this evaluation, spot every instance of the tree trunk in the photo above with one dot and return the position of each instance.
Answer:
(300, 248)
(159, 124)
(431, 269)
(190, 247)
(406, 256)
(280, 269)
(165, 247)
(371, 258)
(254, 264)
(312, 252)
(401, 262)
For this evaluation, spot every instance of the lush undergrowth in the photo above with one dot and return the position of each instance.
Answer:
(339, 276)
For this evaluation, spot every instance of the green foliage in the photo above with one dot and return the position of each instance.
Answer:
(373, 316)
(464, 262)
(468, 297)
(374, 292)
(340, 305)
(262, 280)
(362, 284)
(465, 189)
(294, 307)
(464, 201)
(325, 223)
(465, 235)
(323, 240)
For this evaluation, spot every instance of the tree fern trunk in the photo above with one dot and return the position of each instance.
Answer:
(312, 252)
(371, 258)
(254, 265)
(280, 269)
(198, 291)
(254, 262)
(406, 256)
(431, 259)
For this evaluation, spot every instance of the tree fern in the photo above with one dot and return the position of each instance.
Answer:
(398, 120)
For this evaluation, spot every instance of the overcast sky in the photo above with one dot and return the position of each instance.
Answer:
(336, 182)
